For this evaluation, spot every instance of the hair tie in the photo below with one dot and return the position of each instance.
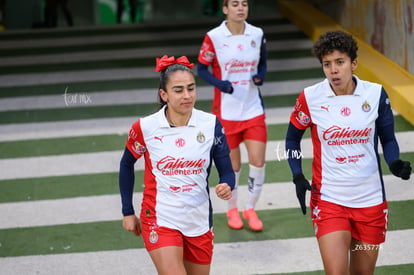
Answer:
(165, 61)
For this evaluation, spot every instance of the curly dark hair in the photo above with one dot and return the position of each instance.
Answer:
(335, 40)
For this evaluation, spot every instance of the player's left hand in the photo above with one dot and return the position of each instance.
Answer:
(401, 169)
(223, 191)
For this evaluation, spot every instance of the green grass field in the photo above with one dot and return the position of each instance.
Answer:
(45, 201)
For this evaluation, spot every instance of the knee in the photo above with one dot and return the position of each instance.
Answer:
(236, 167)
(258, 164)
(257, 160)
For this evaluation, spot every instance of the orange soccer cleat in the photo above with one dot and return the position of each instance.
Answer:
(254, 222)
(234, 221)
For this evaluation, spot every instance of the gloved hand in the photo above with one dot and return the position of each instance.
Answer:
(302, 184)
(225, 86)
(401, 169)
(257, 80)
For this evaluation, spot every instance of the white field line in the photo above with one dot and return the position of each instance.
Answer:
(70, 97)
(74, 164)
(121, 38)
(108, 207)
(99, 55)
(102, 55)
(72, 128)
(108, 126)
(105, 162)
(101, 126)
(14, 80)
(240, 258)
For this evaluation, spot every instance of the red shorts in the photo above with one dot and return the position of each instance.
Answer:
(368, 224)
(197, 250)
(238, 131)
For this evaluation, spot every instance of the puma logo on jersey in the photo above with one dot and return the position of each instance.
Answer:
(159, 138)
(325, 108)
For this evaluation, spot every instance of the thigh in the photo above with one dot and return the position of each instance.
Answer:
(235, 159)
(199, 250)
(328, 217)
(196, 269)
(255, 137)
(239, 131)
(370, 224)
(165, 247)
(255, 129)
(155, 237)
(233, 139)
(168, 260)
(256, 151)
(363, 257)
(334, 249)
(198, 253)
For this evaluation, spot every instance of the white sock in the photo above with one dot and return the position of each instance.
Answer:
(256, 181)
(233, 201)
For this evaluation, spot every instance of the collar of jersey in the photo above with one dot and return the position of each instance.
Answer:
(330, 93)
(165, 124)
(228, 33)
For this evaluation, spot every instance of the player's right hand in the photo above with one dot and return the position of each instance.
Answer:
(302, 184)
(223, 191)
(226, 87)
(131, 223)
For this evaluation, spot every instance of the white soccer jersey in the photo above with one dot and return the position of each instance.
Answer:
(234, 58)
(343, 128)
(177, 164)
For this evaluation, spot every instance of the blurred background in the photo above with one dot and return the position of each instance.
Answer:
(75, 75)
(385, 25)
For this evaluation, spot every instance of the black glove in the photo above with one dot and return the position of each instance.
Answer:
(258, 81)
(225, 86)
(401, 169)
(302, 185)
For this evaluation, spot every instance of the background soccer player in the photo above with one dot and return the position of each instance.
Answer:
(236, 50)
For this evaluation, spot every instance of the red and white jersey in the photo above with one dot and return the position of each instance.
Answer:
(177, 165)
(346, 162)
(234, 58)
